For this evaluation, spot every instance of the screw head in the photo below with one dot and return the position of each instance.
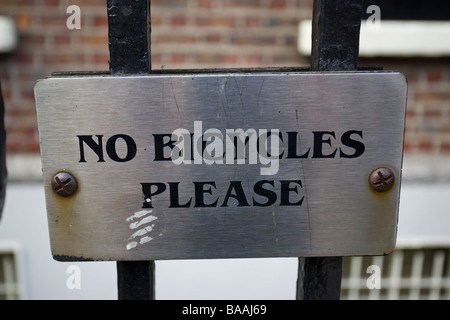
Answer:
(64, 184)
(382, 179)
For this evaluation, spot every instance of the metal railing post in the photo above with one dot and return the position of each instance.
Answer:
(129, 47)
(335, 45)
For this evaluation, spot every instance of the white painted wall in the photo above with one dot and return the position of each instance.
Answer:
(24, 222)
(424, 219)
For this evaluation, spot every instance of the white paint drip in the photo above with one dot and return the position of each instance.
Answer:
(131, 245)
(141, 232)
(139, 214)
(144, 219)
(145, 240)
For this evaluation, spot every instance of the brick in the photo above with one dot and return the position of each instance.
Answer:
(445, 148)
(23, 58)
(407, 147)
(6, 93)
(102, 22)
(178, 21)
(173, 38)
(290, 41)
(434, 76)
(156, 59)
(54, 22)
(217, 60)
(242, 3)
(213, 38)
(62, 40)
(278, 4)
(51, 3)
(425, 146)
(102, 59)
(253, 22)
(28, 94)
(432, 96)
(57, 58)
(205, 4)
(215, 21)
(206, 58)
(254, 39)
(23, 21)
(21, 3)
(433, 112)
(255, 60)
(177, 58)
(229, 59)
(94, 40)
(31, 40)
(169, 4)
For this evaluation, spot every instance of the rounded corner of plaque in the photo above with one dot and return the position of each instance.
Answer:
(403, 78)
(390, 249)
(38, 83)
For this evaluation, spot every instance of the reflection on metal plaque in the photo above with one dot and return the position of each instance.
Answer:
(222, 165)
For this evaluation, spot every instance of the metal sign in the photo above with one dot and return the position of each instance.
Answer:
(222, 165)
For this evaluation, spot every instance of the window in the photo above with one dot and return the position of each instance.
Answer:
(405, 274)
(9, 284)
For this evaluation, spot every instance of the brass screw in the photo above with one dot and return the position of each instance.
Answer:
(382, 179)
(64, 184)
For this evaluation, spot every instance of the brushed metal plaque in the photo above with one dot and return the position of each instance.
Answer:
(221, 165)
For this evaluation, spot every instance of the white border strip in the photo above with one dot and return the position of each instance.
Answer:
(393, 39)
(24, 168)
(8, 34)
(423, 242)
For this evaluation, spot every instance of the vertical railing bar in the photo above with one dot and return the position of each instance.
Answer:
(355, 278)
(335, 47)
(436, 275)
(416, 275)
(447, 276)
(129, 28)
(395, 275)
(374, 294)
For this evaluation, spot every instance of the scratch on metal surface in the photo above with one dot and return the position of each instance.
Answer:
(274, 219)
(221, 99)
(242, 102)
(274, 224)
(260, 92)
(162, 95)
(304, 182)
(175, 99)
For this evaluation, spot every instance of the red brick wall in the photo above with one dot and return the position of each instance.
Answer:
(46, 45)
(195, 34)
(231, 33)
